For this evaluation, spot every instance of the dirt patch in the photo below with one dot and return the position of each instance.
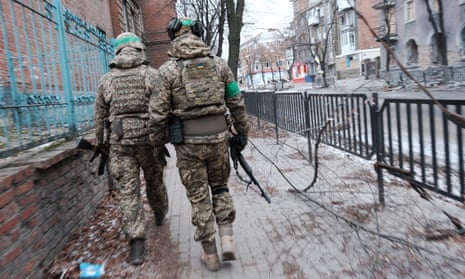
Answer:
(101, 241)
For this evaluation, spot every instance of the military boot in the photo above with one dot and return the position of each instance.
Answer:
(209, 255)
(227, 242)
(137, 251)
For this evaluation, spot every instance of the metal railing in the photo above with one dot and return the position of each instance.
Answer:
(346, 117)
(411, 138)
(49, 69)
(421, 144)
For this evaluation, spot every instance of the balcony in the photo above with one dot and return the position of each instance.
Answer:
(313, 20)
(347, 27)
(384, 4)
(392, 36)
(345, 4)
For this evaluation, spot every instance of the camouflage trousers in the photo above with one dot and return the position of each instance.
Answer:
(125, 164)
(203, 167)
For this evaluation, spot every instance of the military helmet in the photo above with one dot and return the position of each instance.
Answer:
(179, 26)
(127, 39)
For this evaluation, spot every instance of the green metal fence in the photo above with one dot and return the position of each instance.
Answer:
(50, 63)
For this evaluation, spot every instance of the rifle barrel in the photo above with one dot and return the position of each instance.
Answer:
(249, 172)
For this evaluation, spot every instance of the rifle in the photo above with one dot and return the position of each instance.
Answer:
(236, 156)
(82, 143)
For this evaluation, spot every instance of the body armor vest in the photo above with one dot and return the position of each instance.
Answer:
(129, 104)
(202, 83)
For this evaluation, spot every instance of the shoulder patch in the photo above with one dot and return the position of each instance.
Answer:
(232, 89)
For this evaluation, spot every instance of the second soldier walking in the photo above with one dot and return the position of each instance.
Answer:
(123, 97)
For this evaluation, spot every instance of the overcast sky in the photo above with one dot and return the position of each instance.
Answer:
(263, 14)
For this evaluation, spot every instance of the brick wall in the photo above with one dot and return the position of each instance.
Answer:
(44, 198)
(96, 13)
(365, 38)
(156, 17)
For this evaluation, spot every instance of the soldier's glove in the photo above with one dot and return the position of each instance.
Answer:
(163, 153)
(240, 141)
(97, 151)
(103, 150)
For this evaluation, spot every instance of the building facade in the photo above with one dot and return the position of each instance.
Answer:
(314, 45)
(359, 50)
(406, 28)
(54, 52)
(263, 60)
(156, 15)
(331, 39)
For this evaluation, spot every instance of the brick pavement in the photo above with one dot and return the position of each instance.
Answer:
(335, 230)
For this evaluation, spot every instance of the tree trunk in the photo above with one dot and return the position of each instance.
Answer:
(221, 21)
(234, 13)
(439, 31)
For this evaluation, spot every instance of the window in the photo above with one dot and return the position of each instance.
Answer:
(412, 52)
(129, 16)
(434, 51)
(348, 19)
(410, 6)
(348, 42)
(322, 33)
(391, 15)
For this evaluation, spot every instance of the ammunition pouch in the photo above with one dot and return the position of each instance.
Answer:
(117, 129)
(129, 128)
(175, 130)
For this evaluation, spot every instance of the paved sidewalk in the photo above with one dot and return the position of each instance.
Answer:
(334, 230)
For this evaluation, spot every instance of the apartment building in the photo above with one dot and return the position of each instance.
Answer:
(332, 40)
(263, 59)
(314, 40)
(406, 28)
(359, 50)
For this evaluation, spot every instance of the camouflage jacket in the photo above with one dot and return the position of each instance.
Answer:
(129, 72)
(172, 93)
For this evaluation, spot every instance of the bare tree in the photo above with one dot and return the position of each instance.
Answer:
(439, 31)
(221, 22)
(321, 49)
(235, 12)
(211, 14)
(386, 29)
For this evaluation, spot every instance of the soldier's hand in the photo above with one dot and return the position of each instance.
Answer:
(102, 148)
(240, 141)
(163, 153)
(167, 153)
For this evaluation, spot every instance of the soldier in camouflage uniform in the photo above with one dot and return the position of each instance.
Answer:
(123, 97)
(198, 89)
